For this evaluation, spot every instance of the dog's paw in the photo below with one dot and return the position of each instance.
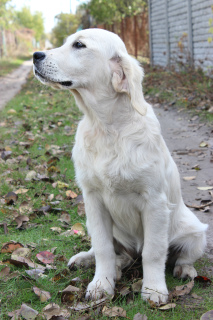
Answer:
(100, 288)
(157, 294)
(184, 271)
(82, 259)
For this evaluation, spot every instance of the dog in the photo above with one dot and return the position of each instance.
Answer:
(130, 183)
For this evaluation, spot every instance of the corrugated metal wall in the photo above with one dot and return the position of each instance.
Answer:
(179, 32)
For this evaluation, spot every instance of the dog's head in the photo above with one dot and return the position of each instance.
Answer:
(89, 59)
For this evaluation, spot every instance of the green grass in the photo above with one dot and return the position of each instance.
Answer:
(44, 115)
(7, 65)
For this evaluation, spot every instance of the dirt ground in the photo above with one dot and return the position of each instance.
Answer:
(183, 134)
(12, 83)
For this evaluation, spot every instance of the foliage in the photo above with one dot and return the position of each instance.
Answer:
(35, 21)
(66, 25)
(109, 11)
(5, 14)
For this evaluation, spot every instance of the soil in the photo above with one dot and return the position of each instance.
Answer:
(183, 134)
(11, 84)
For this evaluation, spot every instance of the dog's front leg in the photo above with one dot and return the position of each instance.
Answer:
(99, 225)
(155, 220)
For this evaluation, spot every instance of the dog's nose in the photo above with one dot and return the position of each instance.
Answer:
(38, 56)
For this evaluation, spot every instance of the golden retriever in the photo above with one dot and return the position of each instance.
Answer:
(129, 181)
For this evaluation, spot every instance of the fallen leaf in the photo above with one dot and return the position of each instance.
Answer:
(136, 286)
(195, 296)
(167, 306)
(5, 155)
(204, 188)
(71, 194)
(30, 175)
(20, 220)
(81, 209)
(21, 191)
(35, 273)
(65, 217)
(14, 314)
(44, 295)
(203, 280)
(24, 262)
(53, 310)
(4, 272)
(11, 111)
(62, 185)
(189, 178)
(203, 144)
(56, 229)
(21, 252)
(114, 312)
(182, 290)
(52, 161)
(11, 246)
(78, 229)
(11, 198)
(139, 316)
(81, 306)
(25, 207)
(68, 294)
(207, 316)
(63, 274)
(45, 257)
(27, 312)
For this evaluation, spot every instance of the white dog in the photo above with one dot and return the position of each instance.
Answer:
(130, 183)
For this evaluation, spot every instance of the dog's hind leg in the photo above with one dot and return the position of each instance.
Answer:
(191, 242)
(82, 259)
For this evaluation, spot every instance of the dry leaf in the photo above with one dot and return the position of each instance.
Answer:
(56, 229)
(44, 295)
(203, 144)
(14, 314)
(81, 306)
(45, 257)
(21, 252)
(22, 261)
(167, 306)
(35, 273)
(20, 220)
(62, 185)
(139, 316)
(69, 294)
(195, 296)
(207, 316)
(30, 175)
(11, 246)
(21, 191)
(136, 286)
(189, 178)
(65, 217)
(27, 312)
(81, 209)
(4, 272)
(71, 194)
(10, 198)
(114, 312)
(53, 310)
(204, 188)
(182, 290)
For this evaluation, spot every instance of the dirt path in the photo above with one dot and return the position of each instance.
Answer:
(183, 136)
(12, 83)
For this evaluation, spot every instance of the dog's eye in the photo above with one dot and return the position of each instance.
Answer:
(78, 45)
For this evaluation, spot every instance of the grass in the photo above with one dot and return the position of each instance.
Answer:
(7, 65)
(190, 89)
(37, 125)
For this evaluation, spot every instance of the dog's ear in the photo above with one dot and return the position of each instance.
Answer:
(127, 77)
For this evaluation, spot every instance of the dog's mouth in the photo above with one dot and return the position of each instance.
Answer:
(63, 83)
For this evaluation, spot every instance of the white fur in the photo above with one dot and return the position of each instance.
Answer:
(130, 183)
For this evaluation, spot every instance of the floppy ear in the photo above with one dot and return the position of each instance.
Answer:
(127, 77)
